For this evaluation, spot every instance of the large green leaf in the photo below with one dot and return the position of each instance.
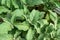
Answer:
(5, 27)
(35, 15)
(3, 9)
(6, 37)
(22, 26)
(30, 34)
(17, 13)
(34, 2)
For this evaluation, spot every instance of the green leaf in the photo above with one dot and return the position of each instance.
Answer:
(53, 17)
(3, 2)
(30, 34)
(58, 26)
(3, 9)
(37, 27)
(22, 26)
(57, 3)
(14, 3)
(40, 24)
(24, 1)
(8, 3)
(5, 27)
(58, 23)
(16, 34)
(17, 13)
(41, 37)
(50, 28)
(43, 29)
(26, 9)
(43, 22)
(58, 32)
(6, 37)
(34, 2)
(35, 15)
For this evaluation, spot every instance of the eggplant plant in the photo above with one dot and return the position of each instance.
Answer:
(29, 19)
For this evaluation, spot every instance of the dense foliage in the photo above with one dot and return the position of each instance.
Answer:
(29, 20)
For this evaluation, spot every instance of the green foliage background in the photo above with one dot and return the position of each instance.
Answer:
(29, 20)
